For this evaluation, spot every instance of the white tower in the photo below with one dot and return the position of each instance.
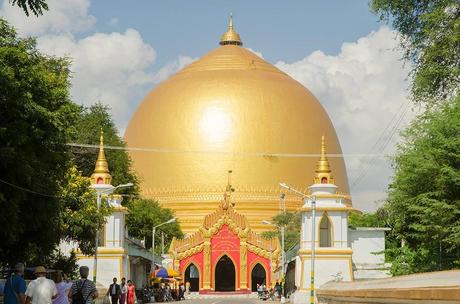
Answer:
(333, 256)
(112, 257)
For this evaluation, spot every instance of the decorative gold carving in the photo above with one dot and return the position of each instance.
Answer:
(243, 264)
(238, 224)
(228, 193)
(190, 252)
(207, 264)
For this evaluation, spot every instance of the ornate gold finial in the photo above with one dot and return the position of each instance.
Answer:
(101, 173)
(228, 192)
(231, 37)
(323, 169)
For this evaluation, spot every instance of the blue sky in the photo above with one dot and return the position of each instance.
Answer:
(120, 50)
(282, 30)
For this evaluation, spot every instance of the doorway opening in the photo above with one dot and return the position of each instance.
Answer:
(192, 275)
(225, 274)
(258, 276)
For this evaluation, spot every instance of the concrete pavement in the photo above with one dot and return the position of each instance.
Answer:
(227, 301)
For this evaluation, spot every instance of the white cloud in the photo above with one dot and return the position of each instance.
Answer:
(113, 21)
(171, 68)
(255, 52)
(105, 67)
(362, 89)
(63, 16)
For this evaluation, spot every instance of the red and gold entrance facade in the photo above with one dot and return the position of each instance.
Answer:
(225, 246)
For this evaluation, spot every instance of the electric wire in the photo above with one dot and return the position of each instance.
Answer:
(401, 113)
(27, 190)
(248, 154)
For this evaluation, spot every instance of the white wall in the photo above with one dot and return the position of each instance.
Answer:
(108, 268)
(365, 242)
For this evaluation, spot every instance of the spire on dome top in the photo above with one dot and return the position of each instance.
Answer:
(101, 173)
(323, 169)
(231, 37)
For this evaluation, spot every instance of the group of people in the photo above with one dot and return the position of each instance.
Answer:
(276, 291)
(124, 293)
(60, 290)
(42, 290)
(164, 293)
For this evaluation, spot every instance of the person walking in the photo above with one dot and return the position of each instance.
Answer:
(83, 291)
(181, 291)
(15, 286)
(114, 291)
(123, 291)
(131, 295)
(41, 290)
(63, 288)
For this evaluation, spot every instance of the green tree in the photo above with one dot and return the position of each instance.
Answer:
(424, 197)
(35, 6)
(376, 219)
(144, 215)
(79, 218)
(88, 126)
(291, 222)
(430, 37)
(37, 118)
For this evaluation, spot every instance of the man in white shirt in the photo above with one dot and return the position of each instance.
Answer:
(41, 290)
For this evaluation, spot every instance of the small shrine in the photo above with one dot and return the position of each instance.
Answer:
(224, 255)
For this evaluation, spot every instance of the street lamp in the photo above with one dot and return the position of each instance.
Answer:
(100, 190)
(153, 240)
(313, 217)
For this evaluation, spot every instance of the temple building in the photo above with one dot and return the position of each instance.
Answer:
(225, 253)
(232, 110)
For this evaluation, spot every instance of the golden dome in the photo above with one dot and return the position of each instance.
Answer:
(229, 110)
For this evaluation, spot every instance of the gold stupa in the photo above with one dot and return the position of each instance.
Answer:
(230, 110)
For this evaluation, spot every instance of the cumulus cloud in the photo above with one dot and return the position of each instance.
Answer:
(63, 16)
(114, 68)
(364, 89)
(171, 68)
(105, 67)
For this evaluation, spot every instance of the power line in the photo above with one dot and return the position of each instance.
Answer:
(27, 190)
(400, 116)
(249, 154)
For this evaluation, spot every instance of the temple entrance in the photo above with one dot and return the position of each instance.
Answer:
(258, 276)
(192, 276)
(225, 274)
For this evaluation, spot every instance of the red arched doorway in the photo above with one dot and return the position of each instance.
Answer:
(192, 275)
(225, 274)
(258, 276)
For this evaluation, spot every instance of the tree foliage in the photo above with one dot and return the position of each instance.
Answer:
(430, 37)
(37, 118)
(144, 215)
(377, 219)
(89, 124)
(424, 196)
(79, 218)
(35, 6)
(291, 222)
